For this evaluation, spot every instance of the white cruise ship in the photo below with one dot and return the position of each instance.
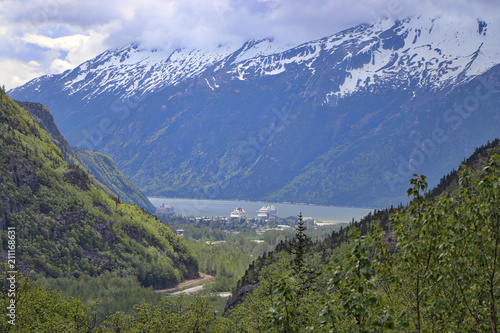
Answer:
(267, 212)
(239, 213)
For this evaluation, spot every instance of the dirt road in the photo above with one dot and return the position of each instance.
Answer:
(204, 278)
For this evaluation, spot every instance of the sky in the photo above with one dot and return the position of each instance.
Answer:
(41, 37)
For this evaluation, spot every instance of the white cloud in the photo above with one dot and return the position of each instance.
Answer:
(51, 55)
(66, 43)
(14, 72)
(32, 28)
(78, 48)
(59, 65)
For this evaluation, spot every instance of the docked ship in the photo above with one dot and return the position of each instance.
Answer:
(267, 212)
(239, 213)
(165, 209)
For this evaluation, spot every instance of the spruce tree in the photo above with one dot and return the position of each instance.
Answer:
(298, 248)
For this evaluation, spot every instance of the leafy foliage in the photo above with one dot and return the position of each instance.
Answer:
(353, 295)
(449, 255)
(294, 288)
(38, 309)
(115, 292)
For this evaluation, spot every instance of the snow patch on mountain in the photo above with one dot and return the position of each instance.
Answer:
(132, 71)
(413, 53)
(135, 72)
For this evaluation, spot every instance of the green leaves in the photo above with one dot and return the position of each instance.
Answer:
(419, 184)
(448, 254)
(293, 292)
(354, 301)
(284, 310)
(41, 310)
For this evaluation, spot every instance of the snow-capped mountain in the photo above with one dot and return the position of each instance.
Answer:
(362, 95)
(416, 52)
(132, 71)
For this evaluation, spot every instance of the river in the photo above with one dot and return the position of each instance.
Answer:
(212, 208)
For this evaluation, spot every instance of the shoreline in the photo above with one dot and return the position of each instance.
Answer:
(222, 208)
(263, 202)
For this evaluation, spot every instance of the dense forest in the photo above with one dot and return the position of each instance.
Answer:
(430, 266)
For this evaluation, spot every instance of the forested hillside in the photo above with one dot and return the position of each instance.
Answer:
(106, 171)
(427, 267)
(448, 187)
(65, 226)
(109, 178)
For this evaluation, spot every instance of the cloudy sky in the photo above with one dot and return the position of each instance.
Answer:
(49, 36)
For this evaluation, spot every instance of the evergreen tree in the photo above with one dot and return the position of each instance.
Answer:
(298, 247)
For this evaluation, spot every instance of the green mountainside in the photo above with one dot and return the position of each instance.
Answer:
(101, 166)
(449, 184)
(44, 118)
(106, 171)
(65, 226)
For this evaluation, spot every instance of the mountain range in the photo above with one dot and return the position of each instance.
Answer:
(342, 120)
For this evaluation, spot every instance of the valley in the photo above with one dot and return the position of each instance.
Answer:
(342, 120)
(346, 183)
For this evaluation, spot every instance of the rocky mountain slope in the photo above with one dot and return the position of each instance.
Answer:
(342, 120)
